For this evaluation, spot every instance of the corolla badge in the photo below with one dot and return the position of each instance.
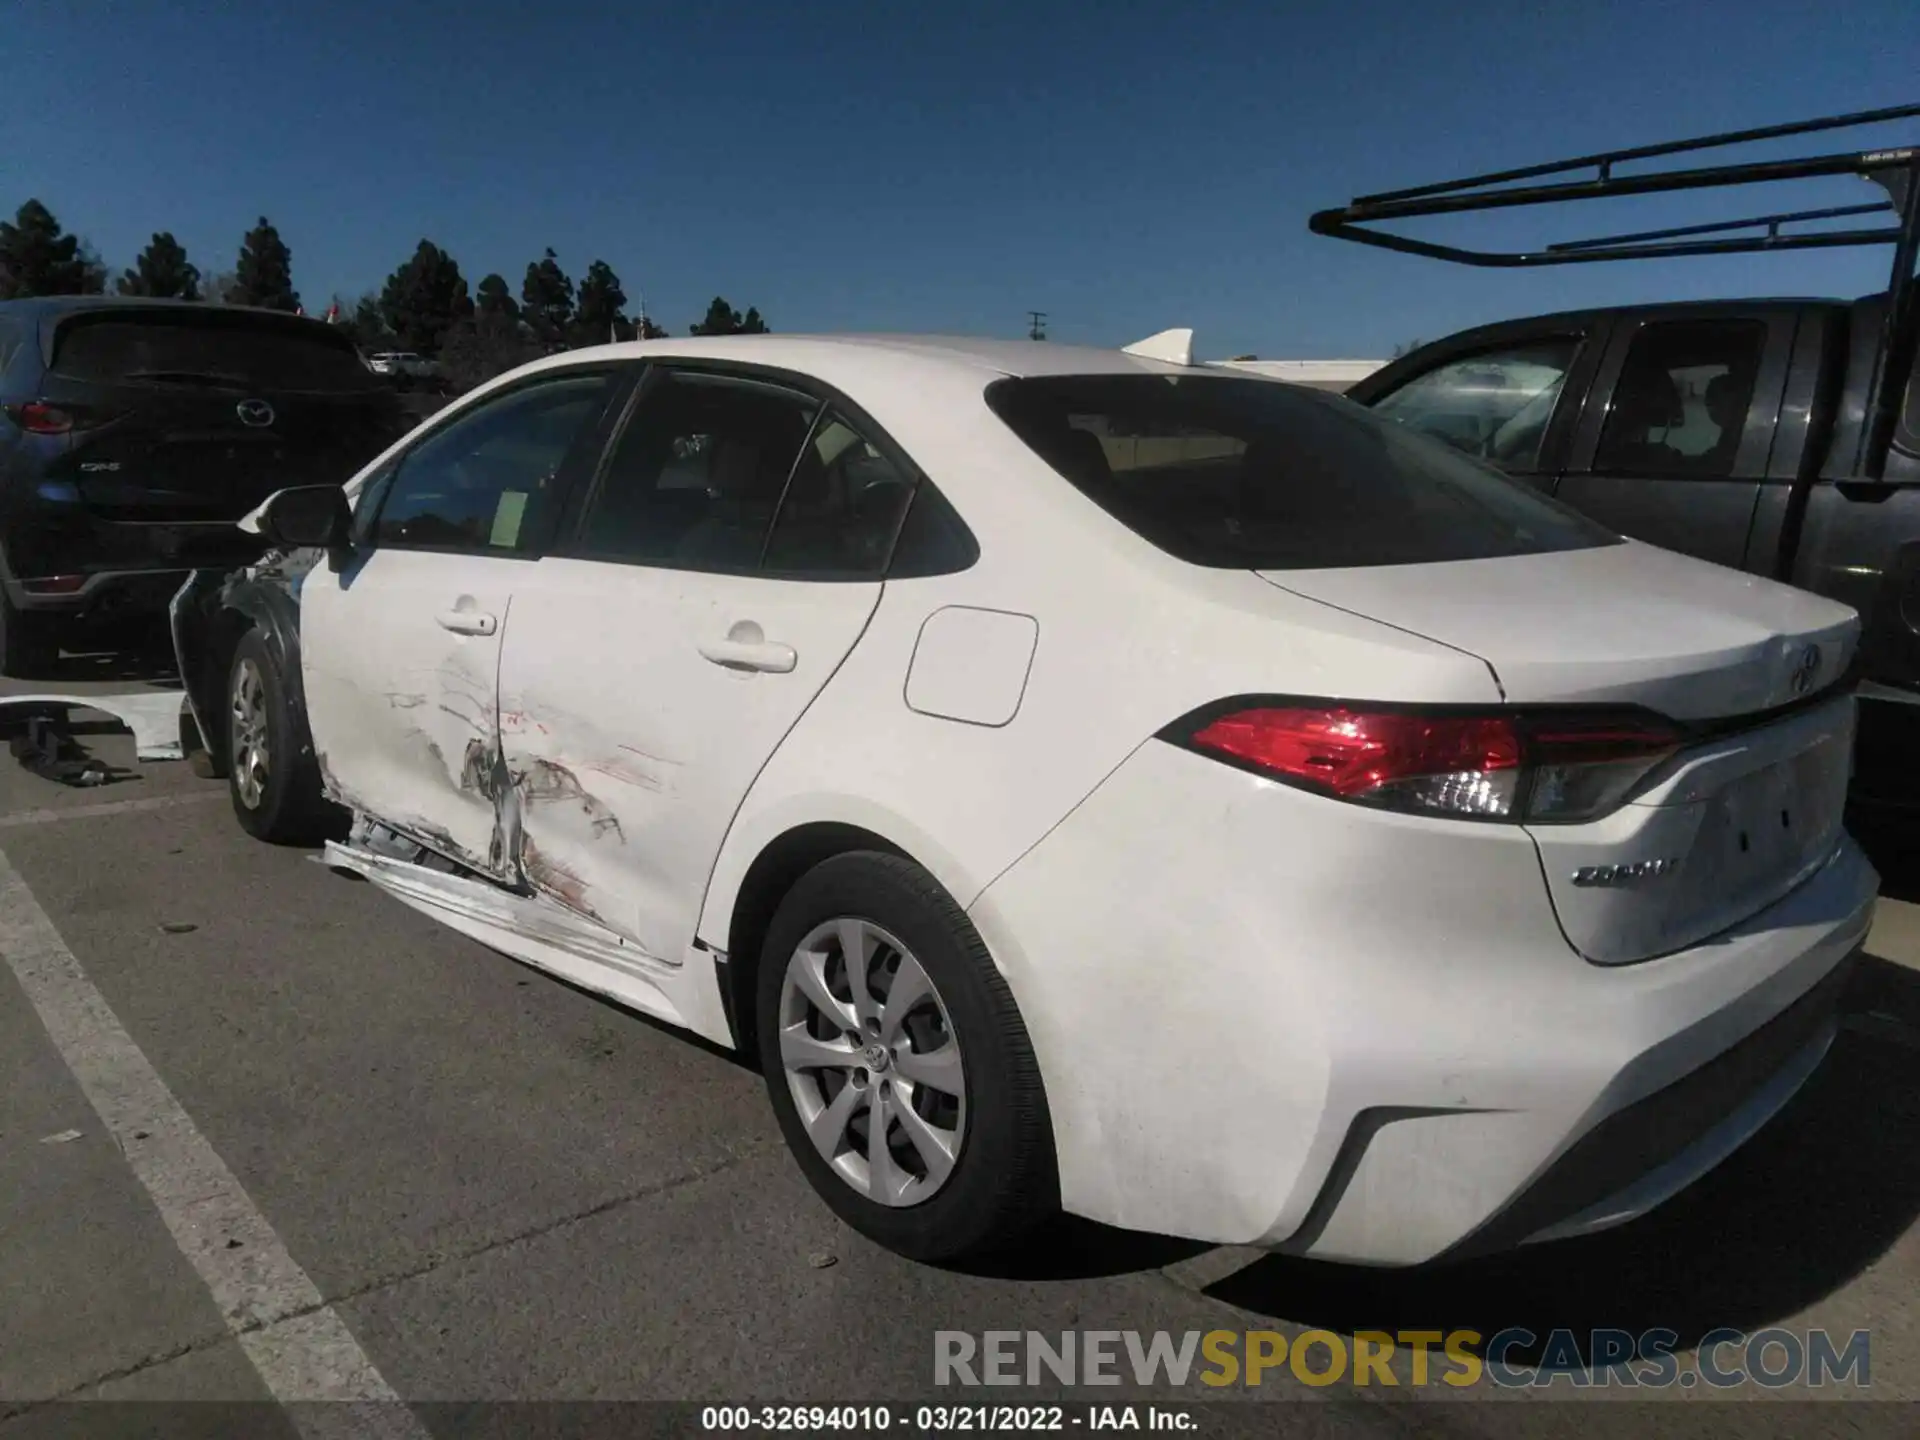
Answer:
(1806, 668)
(1615, 875)
(257, 413)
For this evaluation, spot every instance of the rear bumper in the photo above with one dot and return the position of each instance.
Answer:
(104, 594)
(120, 568)
(1650, 1150)
(1266, 1018)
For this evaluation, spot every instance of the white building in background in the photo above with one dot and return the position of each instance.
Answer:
(1320, 374)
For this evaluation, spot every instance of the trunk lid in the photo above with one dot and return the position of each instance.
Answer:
(1623, 624)
(1753, 803)
(1738, 820)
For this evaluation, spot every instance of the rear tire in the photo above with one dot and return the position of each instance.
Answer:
(274, 786)
(959, 1175)
(29, 642)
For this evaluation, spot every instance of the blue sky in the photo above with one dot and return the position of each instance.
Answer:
(1123, 166)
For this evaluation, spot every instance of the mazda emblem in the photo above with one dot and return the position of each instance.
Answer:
(1805, 670)
(256, 413)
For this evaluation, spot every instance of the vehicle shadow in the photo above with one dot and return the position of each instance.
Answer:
(1806, 1206)
(1894, 847)
(1069, 1248)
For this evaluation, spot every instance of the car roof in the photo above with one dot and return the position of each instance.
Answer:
(1660, 307)
(825, 355)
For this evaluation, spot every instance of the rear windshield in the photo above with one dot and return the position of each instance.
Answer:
(207, 350)
(1256, 474)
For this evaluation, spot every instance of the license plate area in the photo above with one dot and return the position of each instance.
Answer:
(1762, 831)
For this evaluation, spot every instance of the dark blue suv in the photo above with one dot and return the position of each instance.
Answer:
(133, 433)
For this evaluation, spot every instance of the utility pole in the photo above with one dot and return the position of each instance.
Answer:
(1037, 330)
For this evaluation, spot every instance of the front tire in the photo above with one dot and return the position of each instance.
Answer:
(960, 1162)
(275, 787)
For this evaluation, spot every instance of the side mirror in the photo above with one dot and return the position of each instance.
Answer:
(308, 517)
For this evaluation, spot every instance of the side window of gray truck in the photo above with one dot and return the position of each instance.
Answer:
(1494, 404)
(1680, 407)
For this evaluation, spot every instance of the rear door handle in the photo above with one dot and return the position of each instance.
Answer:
(467, 622)
(766, 655)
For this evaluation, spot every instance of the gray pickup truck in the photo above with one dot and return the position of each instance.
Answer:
(1777, 436)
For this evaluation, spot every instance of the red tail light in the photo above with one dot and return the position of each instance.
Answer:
(39, 419)
(1543, 767)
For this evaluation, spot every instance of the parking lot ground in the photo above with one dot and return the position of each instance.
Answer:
(493, 1187)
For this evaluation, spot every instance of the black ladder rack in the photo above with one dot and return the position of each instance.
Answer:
(1892, 168)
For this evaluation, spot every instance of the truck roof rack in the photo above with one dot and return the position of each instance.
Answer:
(1501, 190)
(1894, 169)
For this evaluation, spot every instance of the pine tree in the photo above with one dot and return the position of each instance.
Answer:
(425, 298)
(601, 308)
(162, 270)
(37, 257)
(548, 298)
(722, 319)
(363, 322)
(263, 276)
(495, 300)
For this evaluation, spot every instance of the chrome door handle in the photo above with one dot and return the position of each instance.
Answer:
(467, 622)
(765, 655)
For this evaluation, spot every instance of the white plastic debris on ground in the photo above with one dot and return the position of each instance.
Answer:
(152, 715)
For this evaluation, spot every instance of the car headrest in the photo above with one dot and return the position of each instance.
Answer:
(1082, 455)
(1727, 397)
(1650, 401)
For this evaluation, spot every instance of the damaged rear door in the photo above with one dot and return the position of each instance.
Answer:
(729, 557)
(401, 639)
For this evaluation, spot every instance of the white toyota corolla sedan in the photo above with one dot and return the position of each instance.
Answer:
(1084, 779)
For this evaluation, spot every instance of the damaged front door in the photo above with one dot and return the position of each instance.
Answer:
(727, 564)
(401, 639)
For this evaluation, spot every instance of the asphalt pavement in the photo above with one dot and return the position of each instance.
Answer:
(267, 1135)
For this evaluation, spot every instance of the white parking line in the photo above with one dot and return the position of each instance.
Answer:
(109, 807)
(301, 1348)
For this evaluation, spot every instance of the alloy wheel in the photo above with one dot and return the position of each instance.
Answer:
(251, 758)
(872, 1062)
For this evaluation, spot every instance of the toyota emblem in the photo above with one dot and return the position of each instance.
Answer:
(257, 413)
(1805, 670)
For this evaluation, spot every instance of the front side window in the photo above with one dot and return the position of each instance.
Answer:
(485, 482)
(1680, 406)
(1494, 405)
(697, 474)
(1261, 475)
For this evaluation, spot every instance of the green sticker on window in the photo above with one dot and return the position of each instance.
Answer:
(507, 516)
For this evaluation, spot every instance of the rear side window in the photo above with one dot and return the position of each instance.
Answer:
(933, 539)
(1680, 406)
(696, 476)
(1255, 474)
(841, 509)
(209, 350)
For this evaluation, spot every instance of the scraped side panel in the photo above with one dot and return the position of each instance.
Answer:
(403, 709)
